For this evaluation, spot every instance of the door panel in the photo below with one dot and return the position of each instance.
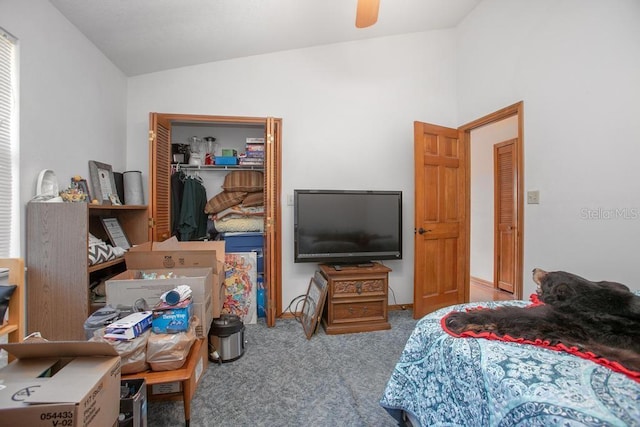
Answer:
(504, 155)
(440, 215)
(159, 177)
(272, 220)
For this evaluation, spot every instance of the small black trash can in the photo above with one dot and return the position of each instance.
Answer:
(226, 338)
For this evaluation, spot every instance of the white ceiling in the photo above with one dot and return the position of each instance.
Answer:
(144, 36)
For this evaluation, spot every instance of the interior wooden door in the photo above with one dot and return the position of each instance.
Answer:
(440, 215)
(505, 195)
(160, 190)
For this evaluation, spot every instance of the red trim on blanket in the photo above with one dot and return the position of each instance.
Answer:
(613, 365)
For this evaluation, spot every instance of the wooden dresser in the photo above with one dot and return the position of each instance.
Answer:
(356, 299)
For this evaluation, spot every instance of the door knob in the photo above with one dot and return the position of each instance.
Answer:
(422, 230)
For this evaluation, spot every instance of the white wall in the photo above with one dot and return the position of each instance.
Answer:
(575, 65)
(72, 98)
(482, 198)
(347, 110)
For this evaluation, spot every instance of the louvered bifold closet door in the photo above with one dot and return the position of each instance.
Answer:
(273, 256)
(159, 177)
(505, 219)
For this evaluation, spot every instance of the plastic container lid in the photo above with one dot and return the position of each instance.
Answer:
(226, 325)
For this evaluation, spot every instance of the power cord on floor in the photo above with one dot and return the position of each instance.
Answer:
(403, 307)
(393, 294)
(297, 301)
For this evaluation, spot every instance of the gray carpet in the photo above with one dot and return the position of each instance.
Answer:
(283, 379)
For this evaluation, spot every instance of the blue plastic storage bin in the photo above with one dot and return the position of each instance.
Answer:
(226, 160)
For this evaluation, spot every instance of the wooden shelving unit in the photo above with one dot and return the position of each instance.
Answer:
(58, 271)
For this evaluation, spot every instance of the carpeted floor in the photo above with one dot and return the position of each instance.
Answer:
(283, 379)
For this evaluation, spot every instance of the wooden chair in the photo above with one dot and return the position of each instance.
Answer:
(15, 328)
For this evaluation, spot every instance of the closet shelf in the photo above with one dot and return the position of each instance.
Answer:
(217, 167)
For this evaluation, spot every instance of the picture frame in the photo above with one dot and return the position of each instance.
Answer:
(103, 183)
(83, 186)
(312, 306)
(116, 234)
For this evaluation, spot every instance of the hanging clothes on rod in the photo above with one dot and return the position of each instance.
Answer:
(177, 189)
(192, 224)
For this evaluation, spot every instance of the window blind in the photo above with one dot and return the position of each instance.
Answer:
(8, 158)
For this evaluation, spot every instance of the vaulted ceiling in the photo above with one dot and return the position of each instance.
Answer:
(145, 36)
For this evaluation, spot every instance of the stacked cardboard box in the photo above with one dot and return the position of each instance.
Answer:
(197, 264)
(56, 383)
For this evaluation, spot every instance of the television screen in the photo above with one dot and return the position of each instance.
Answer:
(347, 226)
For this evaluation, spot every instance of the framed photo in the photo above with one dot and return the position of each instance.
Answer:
(103, 183)
(115, 233)
(82, 186)
(312, 306)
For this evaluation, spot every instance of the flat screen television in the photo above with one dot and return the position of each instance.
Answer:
(347, 226)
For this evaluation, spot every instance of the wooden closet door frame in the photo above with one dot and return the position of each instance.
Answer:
(273, 186)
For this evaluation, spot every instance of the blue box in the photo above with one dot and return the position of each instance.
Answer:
(226, 160)
(171, 319)
(252, 241)
(243, 242)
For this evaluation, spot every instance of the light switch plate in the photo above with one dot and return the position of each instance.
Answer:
(533, 197)
(289, 199)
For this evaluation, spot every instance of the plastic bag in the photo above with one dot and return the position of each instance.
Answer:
(166, 352)
(132, 352)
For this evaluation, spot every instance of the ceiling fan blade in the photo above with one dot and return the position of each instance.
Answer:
(367, 13)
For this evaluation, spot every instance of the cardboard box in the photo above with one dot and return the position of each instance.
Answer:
(133, 407)
(129, 286)
(129, 326)
(200, 367)
(172, 253)
(59, 383)
(171, 319)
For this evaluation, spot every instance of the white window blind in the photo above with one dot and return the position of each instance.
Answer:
(8, 156)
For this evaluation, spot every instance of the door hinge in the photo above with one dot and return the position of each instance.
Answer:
(151, 222)
(152, 136)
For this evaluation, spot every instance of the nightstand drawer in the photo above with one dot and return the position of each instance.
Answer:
(355, 288)
(359, 311)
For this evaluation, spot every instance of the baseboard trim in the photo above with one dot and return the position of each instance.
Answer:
(481, 282)
(395, 307)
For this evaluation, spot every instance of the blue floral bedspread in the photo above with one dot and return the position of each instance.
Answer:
(445, 381)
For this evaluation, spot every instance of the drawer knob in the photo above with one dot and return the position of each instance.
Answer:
(359, 288)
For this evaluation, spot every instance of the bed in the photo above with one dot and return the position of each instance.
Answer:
(443, 380)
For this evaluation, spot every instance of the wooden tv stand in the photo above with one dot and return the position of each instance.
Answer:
(356, 298)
